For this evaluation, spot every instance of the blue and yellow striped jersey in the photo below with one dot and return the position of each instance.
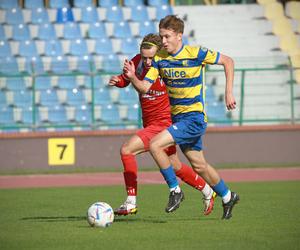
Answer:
(183, 74)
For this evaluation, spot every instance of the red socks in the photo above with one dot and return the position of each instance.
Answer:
(130, 173)
(190, 177)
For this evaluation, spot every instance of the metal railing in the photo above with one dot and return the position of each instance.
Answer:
(287, 111)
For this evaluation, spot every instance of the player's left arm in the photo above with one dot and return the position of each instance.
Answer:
(228, 64)
(142, 86)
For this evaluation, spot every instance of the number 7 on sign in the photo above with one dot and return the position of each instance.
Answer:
(61, 151)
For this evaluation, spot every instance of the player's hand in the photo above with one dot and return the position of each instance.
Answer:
(113, 80)
(230, 101)
(129, 69)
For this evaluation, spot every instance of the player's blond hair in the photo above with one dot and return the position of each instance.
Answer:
(172, 22)
(151, 40)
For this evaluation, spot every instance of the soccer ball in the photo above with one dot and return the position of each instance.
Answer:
(100, 214)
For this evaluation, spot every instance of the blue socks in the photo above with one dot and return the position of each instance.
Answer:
(221, 189)
(170, 177)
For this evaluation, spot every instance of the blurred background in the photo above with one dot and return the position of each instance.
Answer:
(56, 57)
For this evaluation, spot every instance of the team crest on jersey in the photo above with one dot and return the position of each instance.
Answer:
(185, 63)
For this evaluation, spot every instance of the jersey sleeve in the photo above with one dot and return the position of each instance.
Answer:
(207, 56)
(153, 72)
(123, 81)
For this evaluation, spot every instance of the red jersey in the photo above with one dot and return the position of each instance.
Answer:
(155, 103)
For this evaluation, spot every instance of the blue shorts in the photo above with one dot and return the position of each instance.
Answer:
(187, 130)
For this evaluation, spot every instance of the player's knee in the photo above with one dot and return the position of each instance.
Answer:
(200, 167)
(154, 146)
(125, 149)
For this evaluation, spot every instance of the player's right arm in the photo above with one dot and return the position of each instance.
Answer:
(119, 81)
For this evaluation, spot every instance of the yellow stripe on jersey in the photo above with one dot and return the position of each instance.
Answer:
(184, 92)
(178, 109)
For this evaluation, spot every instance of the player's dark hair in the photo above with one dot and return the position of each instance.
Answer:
(151, 40)
(172, 22)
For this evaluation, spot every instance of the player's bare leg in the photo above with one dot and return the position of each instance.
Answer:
(229, 199)
(189, 176)
(157, 146)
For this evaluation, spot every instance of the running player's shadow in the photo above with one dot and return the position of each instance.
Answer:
(54, 218)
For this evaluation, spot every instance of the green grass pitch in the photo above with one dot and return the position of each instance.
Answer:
(267, 217)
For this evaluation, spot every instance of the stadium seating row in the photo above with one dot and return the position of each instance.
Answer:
(32, 4)
(89, 14)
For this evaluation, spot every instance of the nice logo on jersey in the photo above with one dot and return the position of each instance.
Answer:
(171, 73)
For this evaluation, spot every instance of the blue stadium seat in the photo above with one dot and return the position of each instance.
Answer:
(122, 30)
(3, 101)
(23, 98)
(114, 13)
(71, 31)
(102, 96)
(83, 81)
(9, 4)
(83, 3)
(55, 4)
(128, 96)
(27, 115)
(84, 64)
(20, 32)
(99, 82)
(46, 31)
(6, 116)
(8, 65)
(2, 33)
(67, 82)
(16, 83)
(78, 47)
(133, 113)
(89, 15)
(75, 97)
(28, 49)
(157, 2)
(39, 16)
(14, 16)
(139, 13)
(111, 63)
(43, 82)
(36, 65)
(131, 3)
(103, 46)
(162, 11)
(216, 111)
(4, 49)
(108, 3)
(59, 64)
(129, 46)
(83, 114)
(146, 28)
(97, 30)
(53, 48)
(64, 15)
(57, 115)
(48, 97)
(34, 4)
(110, 114)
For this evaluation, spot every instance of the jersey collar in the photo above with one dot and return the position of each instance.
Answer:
(178, 51)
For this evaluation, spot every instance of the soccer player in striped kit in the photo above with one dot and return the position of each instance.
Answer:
(182, 69)
(156, 117)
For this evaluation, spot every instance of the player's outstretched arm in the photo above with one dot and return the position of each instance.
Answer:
(228, 64)
(142, 86)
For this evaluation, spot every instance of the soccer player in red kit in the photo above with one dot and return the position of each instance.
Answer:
(156, 117)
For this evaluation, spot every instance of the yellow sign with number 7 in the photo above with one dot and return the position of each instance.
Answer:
(61, 151)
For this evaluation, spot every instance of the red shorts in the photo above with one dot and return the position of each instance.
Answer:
(149, 132)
